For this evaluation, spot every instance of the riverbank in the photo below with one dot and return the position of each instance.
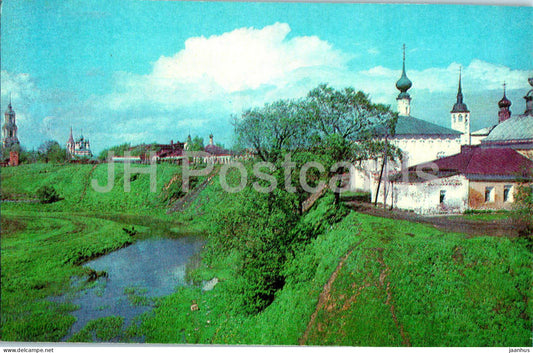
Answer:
(347, 278)
(366, 281)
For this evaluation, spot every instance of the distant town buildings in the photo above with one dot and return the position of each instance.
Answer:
(79, 148)
(176, 152)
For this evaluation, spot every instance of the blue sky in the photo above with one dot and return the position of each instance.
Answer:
(145, 71)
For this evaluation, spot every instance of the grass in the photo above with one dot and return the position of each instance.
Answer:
(43, 245)
(483, 215)
(403, 283)
(440, 287)
(38, 259)
(105, 329)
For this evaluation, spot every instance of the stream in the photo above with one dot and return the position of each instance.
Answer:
(148, 268)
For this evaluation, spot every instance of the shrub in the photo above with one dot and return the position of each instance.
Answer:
(47, 194)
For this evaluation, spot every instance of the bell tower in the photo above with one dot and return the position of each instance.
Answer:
(403, 85)
(460, 116)
(9, 130)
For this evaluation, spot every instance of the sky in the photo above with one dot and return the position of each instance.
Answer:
(154, 71)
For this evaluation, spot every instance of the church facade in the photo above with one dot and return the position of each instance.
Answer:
(419, 140)
(484, 176)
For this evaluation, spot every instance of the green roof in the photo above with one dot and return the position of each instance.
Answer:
(408, 125)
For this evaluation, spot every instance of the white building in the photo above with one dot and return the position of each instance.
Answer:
(419, 140)
(479, 178)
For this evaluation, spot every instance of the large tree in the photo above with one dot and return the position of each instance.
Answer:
(272, 129)
(344, 125)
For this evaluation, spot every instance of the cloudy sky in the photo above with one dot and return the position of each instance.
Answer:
(152, 71)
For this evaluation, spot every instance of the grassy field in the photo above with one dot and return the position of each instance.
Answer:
(389, 282)
(402, 284)
(43, 245)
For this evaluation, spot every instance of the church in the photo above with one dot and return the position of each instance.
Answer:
(79, 148)
(10, 142)
(484, 176)
(419, 140)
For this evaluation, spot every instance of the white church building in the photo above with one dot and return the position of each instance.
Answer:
(419, 140)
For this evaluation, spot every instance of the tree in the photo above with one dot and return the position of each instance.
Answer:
(272, 129)
(51, 151)
(523, 209)
(344, 124)
(117, 151)
(197, 144)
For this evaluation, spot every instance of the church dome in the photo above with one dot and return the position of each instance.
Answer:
(403, 83)
(459, 107)
(504, 102)
(9, 109)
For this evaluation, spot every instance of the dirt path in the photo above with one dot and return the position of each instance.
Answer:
(500, 227)
(382, 280)
(325, 294)
(186, 200)
(87, 182)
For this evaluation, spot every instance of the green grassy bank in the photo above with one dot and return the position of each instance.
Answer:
(402, 284)
(394, 282)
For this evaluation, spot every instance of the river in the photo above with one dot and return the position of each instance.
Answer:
(148, 268)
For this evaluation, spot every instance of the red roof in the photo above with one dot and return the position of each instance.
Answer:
(485, 161)
(216, 150)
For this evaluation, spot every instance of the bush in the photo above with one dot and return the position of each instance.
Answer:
(47, 194)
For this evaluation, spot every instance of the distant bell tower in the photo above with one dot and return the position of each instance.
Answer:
(9, 130)
(70, 144)
(461, 116)
(504, 104)
(403, 85)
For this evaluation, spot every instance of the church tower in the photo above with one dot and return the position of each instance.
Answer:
(70, 144)
(504, 104)
(9, 130)
(461, 116)
(403, 85)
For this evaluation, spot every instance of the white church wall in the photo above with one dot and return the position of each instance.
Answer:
(424, 149)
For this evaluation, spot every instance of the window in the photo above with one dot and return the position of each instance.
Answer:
(489, 194)
(460, 118)
(507, 194)
(441, 154)
(442, 196)
(454, 118)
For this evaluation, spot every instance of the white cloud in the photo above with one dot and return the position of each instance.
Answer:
(477, 77)
(18, 87)
(249, 66)
(233, 63)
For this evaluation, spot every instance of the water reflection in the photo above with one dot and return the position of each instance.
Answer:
(148, 268)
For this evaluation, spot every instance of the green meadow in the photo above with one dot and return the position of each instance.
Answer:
(348, 279)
